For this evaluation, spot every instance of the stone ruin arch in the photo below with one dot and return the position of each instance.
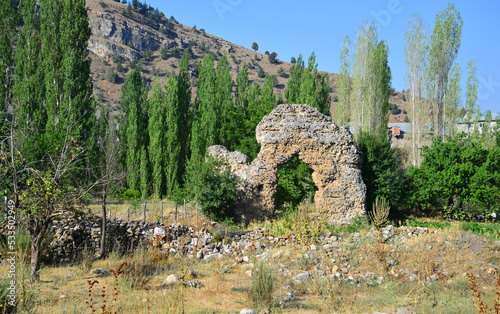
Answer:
(299, 130)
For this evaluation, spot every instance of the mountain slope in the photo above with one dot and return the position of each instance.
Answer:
(121, 35)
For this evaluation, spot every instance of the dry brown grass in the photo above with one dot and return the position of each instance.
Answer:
(226, 287)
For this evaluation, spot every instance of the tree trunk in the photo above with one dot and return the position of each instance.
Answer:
(36, 241)
(102, 253)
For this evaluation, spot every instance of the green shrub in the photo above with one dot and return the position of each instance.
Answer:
(116, 59)
(356, 225)
(119, 67)
(164, 53)
(147, 54)
(396, 111)
(272, 57)
(130, 195)
(210, 183)
(381, 169)
(281, 72)
(111, 75)
(458, 178)
(261, 73)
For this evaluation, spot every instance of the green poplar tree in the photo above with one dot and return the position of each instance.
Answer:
(453, 102)
(76, 106)
(184, 100)
(417, 52)
(254, 113)
(445, 43)
(224, 102)
(172, 143)
(342, 110)
(473, 110)
(267, 98)
(292, 92)
(243, 85)
(362, 106)
(381, 88)
(8, 22)
(28, 93)
(134, 121)
(371, 81)
(204, 130)
(314, 88)
(156, 126)
(144, 173)
(53, 113)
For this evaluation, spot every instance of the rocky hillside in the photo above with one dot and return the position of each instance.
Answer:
(122, 38)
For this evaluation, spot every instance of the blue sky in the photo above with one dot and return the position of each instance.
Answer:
(292, 27)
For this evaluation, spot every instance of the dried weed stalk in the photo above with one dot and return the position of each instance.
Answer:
(481, 307)
(90, 300)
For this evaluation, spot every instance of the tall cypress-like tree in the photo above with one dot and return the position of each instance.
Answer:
(292, 92)
(453, 102)
(8, 22)
(156, 128)
(267, 98)
(416, 52)
(172, 148)
(343, 86)
(371, 81)
(254, 113)
(381, 88)
(134, 121)
(53, 113)
(51, 12)
(184, 100)
(224, 101)
(473, 110)
(144, 173)
(362, 106)
(242, 87)
(445, 43)
(203, 132)
(28, 93)
(314, 87)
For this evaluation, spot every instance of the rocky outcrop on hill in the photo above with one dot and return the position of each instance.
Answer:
(302, 131)
(111, 34)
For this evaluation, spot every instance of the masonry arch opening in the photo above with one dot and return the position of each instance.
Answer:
(295, 185)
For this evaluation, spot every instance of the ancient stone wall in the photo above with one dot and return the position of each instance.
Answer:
(300, 130)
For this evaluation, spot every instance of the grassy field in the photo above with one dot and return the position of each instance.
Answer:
(226, 286)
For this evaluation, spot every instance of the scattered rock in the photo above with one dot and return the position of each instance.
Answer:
(305, 276)
(171, 280)
(247, 311)
(193, 284)
(99, 272)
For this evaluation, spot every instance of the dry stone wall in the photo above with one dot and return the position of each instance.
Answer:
(300, 130)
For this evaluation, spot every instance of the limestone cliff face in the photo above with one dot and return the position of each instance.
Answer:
(113, 34)
(302, 131)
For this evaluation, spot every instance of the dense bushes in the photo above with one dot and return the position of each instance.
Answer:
(381, 169)
(458, 177)
(211, 184)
